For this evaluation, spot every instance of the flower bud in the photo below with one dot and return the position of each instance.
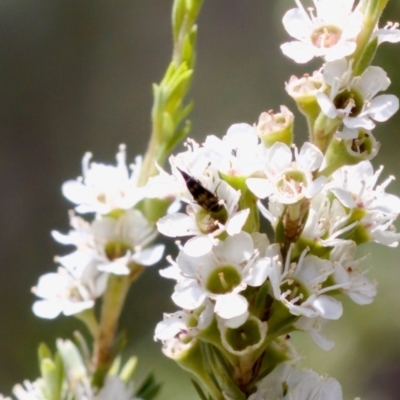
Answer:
(304, 92)
(272, 128)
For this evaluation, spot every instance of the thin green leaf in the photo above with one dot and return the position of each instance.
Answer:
(44, 352)
(149, 388)
(128, 369)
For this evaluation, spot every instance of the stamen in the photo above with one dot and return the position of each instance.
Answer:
(386, 183)
(224, 283)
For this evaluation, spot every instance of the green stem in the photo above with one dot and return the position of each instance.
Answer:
(89, 319)
(372, 14)
(168, 109)
(149, 163)
(113, 302)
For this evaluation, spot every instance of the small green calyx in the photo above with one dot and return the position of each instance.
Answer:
(357, 214)
(116, 249)
(238, 182)
(117, 213)
(276, 127)
(349, 152)
(223, 280)
(247, 335)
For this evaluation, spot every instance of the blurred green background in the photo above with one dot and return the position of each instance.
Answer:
(76, 75)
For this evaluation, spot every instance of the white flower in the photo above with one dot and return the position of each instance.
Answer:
(306, 87)
(105, 188)
(68, 293)
(389, 33)
(313, 327)
(221, 275)
(353, 99)
(302, 284)
(123, 241)
(287, 382)
(199, 220)
(184, 323)
(239, 153)
(327, 222)
(112, 244)
(350, 276)
(287, 181)
(360, 144)
(331, 33)
(270, 123)
(29, 390)
(355, 187)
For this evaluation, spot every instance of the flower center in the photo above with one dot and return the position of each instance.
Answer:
(363, 145)
(350, 101)
(246, 335)
(326, 36)
(223, 280)
(292, 183)
(297, 292)
(116, 250)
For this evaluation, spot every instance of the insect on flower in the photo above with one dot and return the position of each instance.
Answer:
(202, 196)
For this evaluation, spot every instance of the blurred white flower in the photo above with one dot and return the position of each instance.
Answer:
(105, 188)
(288, 382)
(330, 33)
(114, 389)
(313, 327)
(350, 276)
(29, 390)
(389, 33)
(67, 292)
(111, 243)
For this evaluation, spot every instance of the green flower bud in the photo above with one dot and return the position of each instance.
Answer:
(272, 128)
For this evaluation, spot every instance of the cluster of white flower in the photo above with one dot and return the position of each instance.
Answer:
(322, 220)
(114, 242)
(241, 292)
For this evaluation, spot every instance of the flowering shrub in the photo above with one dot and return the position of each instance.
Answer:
(241, 292)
